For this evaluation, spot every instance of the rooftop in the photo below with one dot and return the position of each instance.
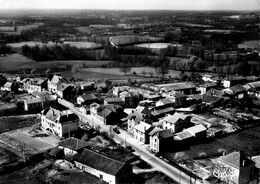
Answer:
(74, 144)
(196, 129)
(99, 162)
(174, 118)
(142, 127)
(177, 86)
(235, 159)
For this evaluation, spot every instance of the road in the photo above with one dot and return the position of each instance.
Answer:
(141, 149)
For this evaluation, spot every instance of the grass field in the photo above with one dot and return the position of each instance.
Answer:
(138, 70)
(16, 62)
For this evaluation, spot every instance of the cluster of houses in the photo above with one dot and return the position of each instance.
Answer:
(157, 115)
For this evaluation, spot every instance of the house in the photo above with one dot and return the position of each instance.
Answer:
(176, 122)
(103, 167)
(8, 109)
(178, 98)
(210, 78)
(211, 100)
(187, 88)
(236, 168)
(182, 139)
(253, 89)
(203, 88)
(236, 91)
(118, 90)
(141, 132)
(86, 99)
(64, 90)
(233, 80)
(9, 86)
(85, 86)
(164, 103)
(157, 113)
(133, 119)
(115, 101)
(37, 84)
(160, 139)
(110, 114)
(36, 103)
(60, 123)
(53, 83)
(215, 92)
(130, 98)
(72, 146)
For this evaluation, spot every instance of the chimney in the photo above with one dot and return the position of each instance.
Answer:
(224, 153)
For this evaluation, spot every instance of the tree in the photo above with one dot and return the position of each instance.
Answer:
(163, 69)
(125, 68)
(156, 64)
(183, 76)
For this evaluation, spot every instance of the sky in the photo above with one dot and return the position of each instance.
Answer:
(133, 4)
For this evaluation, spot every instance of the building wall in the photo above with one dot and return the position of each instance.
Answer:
(68, 151)
(69, 129)
(104, 176)
(130, 125)
(140, 136)
(155, 144)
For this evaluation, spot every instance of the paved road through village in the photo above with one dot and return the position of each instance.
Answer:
(140, 149)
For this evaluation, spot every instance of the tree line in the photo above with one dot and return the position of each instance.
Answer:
(60, 52)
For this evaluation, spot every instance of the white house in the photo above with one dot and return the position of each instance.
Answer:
(60, 123)
(141, 132)
(176, 122)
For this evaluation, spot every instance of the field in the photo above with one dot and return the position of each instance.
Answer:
(156, 45)
(86, 45)
(21, 28)
(251, 44)
(138, 70)
(17, 139)
(17, 62)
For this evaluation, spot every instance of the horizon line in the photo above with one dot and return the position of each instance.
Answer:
(108, 9)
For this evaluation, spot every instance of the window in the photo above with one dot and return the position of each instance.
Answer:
(101, 176)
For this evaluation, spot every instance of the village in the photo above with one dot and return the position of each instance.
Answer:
(104, 127)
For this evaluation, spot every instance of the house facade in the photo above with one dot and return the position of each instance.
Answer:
(160, 139)
(176, 122)
(141, 132)
(53, 83)
(60, 123)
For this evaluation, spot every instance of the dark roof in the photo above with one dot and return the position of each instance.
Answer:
(165, 134)
(137, 116)
(99, 162)
(74, 144)
(162, 111)
(114, 100)
(210, 98)
(88, 97)
(237, 89)
(63, 86)
(62, 117)
(215, 92)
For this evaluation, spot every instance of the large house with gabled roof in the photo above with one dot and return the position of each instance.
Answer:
(60, 123)
(107, 169)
